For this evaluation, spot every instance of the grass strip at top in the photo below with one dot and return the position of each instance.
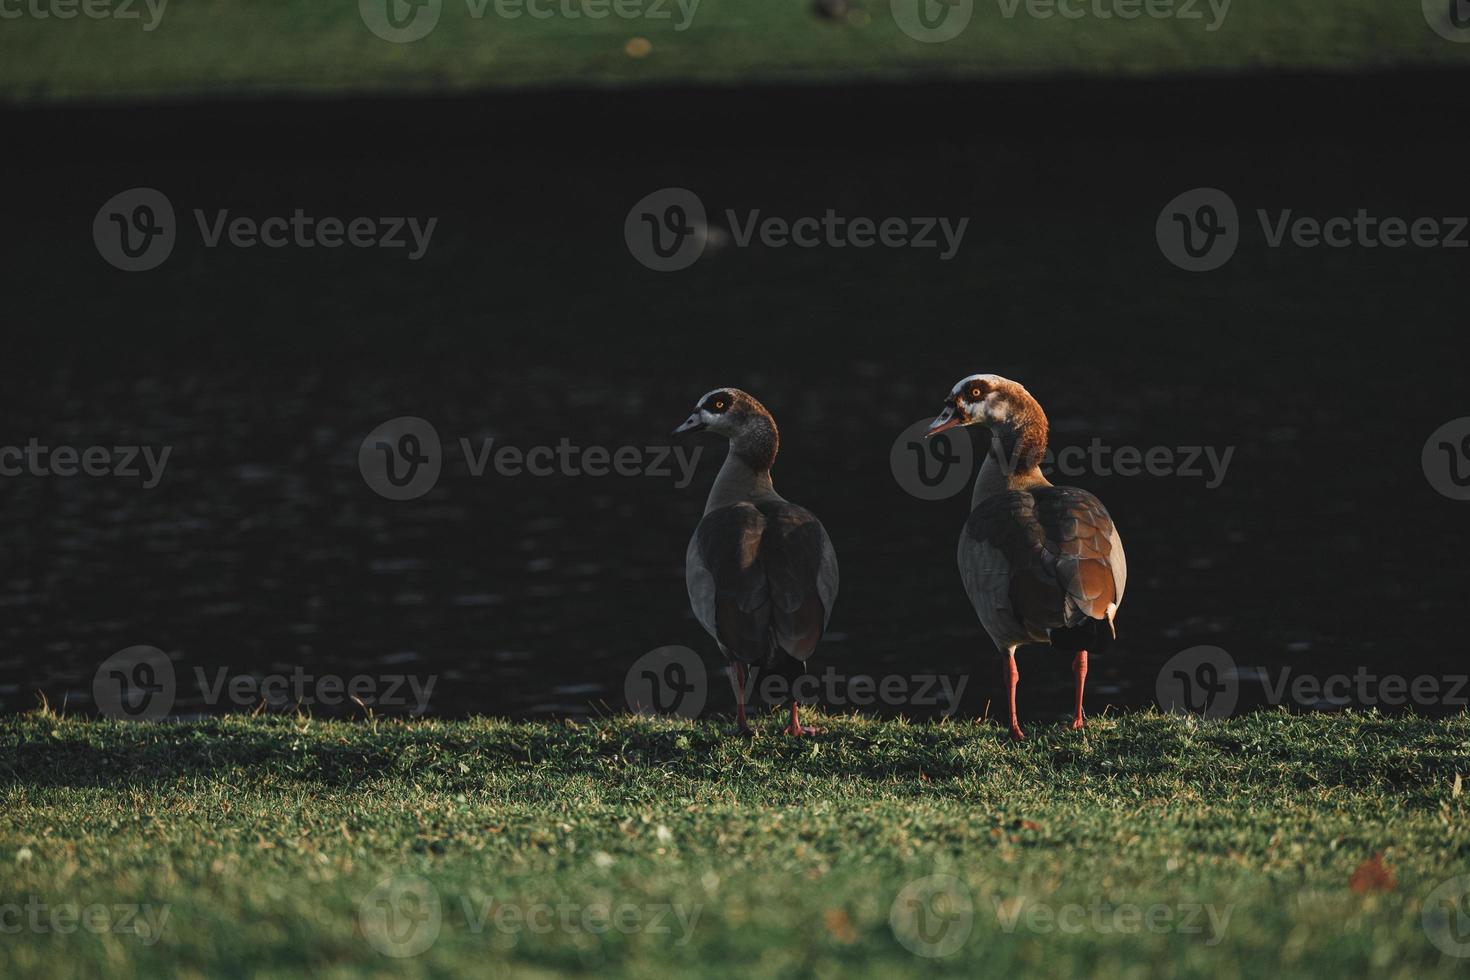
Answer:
(276, 47)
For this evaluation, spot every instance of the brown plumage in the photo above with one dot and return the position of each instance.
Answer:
(760, 570)
(1040, 563)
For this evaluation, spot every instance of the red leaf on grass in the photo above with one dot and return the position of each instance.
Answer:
(1372, 876)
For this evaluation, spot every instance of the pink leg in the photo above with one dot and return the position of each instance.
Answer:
(741, 727)
(1012, 676)
(796, 727)
(1079, 670)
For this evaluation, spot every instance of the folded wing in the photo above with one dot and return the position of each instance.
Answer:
(762, 579)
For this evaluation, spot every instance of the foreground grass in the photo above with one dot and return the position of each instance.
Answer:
(1148, 846)
(256, 47)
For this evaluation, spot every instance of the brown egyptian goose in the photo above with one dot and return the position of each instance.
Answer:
(1041, 563)
(761, 573)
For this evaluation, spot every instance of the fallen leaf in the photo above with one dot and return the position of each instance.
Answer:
(1372, 876)
(839, 925)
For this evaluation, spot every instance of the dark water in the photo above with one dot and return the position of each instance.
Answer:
(262, 550)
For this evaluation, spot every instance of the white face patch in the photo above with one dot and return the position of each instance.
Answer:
(996, 407)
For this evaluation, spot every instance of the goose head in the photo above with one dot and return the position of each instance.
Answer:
(982, 399)
(737, 416)
(1017, 425)
(726, 411)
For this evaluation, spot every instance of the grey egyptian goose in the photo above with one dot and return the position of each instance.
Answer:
(761, 573)
(1041, 563)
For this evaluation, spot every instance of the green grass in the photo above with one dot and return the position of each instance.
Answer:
(265, 839)
(247, 47)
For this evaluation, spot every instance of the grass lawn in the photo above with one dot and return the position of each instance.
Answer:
(251, 47)
(1151, 845)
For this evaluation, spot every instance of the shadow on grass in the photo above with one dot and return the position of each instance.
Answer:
(1149, 753)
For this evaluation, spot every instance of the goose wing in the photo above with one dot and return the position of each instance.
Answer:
(1063, 558)
(762, 577)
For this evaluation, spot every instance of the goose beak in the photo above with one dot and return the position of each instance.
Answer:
(691, 424)
(947, 420)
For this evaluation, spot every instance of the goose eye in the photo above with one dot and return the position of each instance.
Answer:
(719, 406)
(974, 392)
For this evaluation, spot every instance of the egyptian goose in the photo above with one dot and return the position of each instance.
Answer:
(761, 573)
(1041, 563)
